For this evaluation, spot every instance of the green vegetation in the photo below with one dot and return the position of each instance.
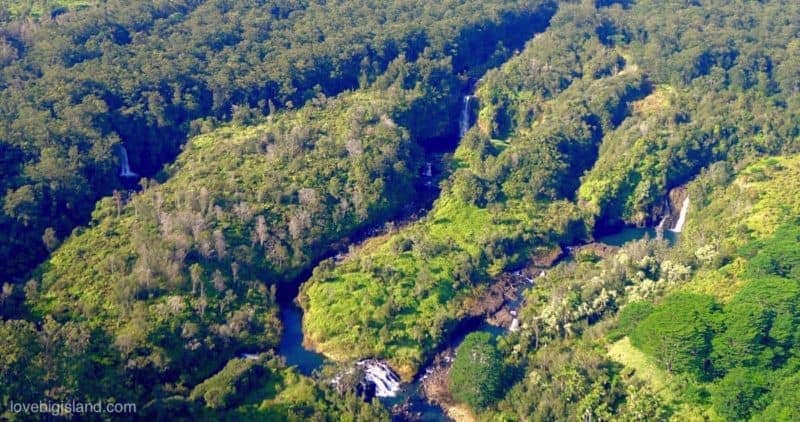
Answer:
(678, 333)
(15, 10)
(176, 280)
(477, 375)
(143, 75)
(275, 133)
(568, 145)
(742, 352)
(504, 204)
(262, 388)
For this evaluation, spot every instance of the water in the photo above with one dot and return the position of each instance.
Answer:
(464, 122)
(306, 361)
(387, 382)
(412, 392)
(630, 234)
(291, 346)
(125, 167)
(682, 217)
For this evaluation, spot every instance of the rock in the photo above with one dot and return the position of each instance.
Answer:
(600, 250)
(366, 390)
(547, 257)
(502, 318)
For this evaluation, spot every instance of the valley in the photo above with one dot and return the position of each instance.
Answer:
(360, 210)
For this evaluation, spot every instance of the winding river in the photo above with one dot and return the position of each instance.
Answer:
(409, 396)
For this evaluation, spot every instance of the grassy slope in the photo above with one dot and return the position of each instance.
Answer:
(658, 381)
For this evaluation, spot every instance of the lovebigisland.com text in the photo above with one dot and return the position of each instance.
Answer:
(74, 407)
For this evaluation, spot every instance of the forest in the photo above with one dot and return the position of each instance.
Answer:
(176, 176)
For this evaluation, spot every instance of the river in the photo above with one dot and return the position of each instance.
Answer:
(409, 397)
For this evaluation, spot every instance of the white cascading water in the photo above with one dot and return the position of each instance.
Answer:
(682, 217)
(387, 382)
(428, 169)
(125, 167)
(463, 122)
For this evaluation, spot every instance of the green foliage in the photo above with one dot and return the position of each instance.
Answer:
(776, 256)
(144, 75)
(16, 10)
(630, 316)
(781, 405)
(477, 376)
(740, 393)
(176, 276)
(761, 324)
(386, 301)
(678, 333)
(264, 389)
(585, 129)
(565, 381)
(226, 387)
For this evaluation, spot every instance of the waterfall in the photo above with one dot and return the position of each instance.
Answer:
(464, 121)
(428, 169)
(682, 218)
(125, 167)
(387, 382)
(667, 213)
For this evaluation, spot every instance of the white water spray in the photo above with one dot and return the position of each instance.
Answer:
(464, 121)
(682, 218)
(387, 382)
(125, 167)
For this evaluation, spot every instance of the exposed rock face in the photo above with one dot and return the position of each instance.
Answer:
(502, 318)
(500, 302)
(674, 203)
(600, 250)
(547, 258)
(434, 382)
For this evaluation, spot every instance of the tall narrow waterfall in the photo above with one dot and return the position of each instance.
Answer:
(464, 121)
(125, 167)
(682, 218)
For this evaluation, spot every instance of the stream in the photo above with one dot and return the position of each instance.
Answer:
(407, 401)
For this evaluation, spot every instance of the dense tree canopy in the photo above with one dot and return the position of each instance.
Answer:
(270, 135)
(140, 75)
(477, 376)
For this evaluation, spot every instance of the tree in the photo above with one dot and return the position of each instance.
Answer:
(760, 325)
(739, 394)
(784, 401)
(678, 333)
(476, 377)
